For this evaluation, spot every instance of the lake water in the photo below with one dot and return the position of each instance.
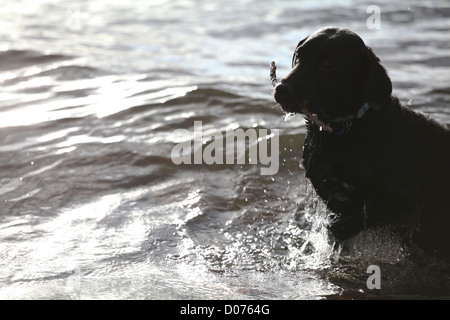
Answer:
(92, 205)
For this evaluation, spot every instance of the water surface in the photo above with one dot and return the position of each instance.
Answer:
(91, 204)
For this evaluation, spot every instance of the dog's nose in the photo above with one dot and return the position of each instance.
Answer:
(283, 93)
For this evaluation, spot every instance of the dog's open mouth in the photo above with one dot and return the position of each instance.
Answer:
(313, 118)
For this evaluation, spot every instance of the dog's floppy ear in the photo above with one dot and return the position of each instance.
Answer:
(378, 86)
(295, 51)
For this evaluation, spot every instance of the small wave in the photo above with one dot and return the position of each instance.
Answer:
(203, 95)
(74, 72)
(17, 59)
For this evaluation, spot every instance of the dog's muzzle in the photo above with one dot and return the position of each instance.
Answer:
(283, 94)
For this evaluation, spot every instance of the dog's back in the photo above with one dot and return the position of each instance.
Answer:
(427, 144)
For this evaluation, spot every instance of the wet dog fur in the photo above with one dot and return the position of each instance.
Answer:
(376, 162)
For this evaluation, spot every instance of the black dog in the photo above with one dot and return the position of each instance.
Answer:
(372, 161)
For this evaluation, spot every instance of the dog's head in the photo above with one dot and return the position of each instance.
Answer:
(333, 74)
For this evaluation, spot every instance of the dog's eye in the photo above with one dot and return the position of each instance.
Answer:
(328, 65)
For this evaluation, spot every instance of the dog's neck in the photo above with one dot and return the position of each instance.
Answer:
(346, 121)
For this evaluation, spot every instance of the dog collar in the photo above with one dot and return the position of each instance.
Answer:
(347, 121)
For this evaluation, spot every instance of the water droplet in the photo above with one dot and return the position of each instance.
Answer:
(32, 163)
(410, 101)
